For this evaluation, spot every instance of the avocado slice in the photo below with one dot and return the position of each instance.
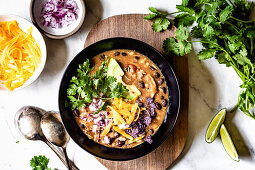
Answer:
(116, 71)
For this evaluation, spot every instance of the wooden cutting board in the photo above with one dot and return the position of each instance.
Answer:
(134, 26)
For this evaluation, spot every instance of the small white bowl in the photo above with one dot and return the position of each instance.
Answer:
(24, 25)
(36, 7)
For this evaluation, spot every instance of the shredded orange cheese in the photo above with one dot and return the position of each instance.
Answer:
(123, 113)
(20, 55)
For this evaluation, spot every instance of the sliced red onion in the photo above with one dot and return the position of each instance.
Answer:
(59, 13)
(96, 103)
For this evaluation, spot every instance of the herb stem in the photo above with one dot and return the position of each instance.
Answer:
(235, 107)
(174, 12)
(236, 29)
(242, 20)
(232, 63)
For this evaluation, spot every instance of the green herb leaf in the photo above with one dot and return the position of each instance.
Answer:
(226, 13)
(154, 10)
(160, 24)
(184, 19)
(223, 58)
(181, 33)
(206, 54)
(197, 32)
(185, 2)
(242, 58)
(150, 16)
(185, 9)
(39, 163)
(177, 48)
(226, 33)
(208, 32)
(84, 88)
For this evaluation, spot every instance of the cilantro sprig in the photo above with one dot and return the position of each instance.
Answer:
(39, 163)
(226, 33)
(84, 87)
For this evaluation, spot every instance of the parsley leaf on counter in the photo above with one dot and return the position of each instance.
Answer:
(39, 163)
(226, 33)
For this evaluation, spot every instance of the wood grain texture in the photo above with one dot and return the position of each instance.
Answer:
(134, 26)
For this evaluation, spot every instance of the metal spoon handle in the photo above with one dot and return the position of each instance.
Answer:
(66, 157)
(61, 156)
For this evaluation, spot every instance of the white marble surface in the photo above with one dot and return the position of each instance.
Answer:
(212, 86)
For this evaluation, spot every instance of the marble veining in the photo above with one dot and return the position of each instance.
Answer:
(212, 86)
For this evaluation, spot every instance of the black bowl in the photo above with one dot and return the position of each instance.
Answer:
(173, 108)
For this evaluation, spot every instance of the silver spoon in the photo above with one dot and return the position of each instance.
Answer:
(55, 132)
(27, 121)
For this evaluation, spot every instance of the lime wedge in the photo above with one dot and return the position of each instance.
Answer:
(228, 143)
(214, 127)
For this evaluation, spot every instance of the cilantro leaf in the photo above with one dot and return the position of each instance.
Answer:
(212, 7)
(234, 43)
(246, 98)
(118, 90)
(185, 9)
(155, 14)
(181, 33)
(223, 58)
(160, 24)
(196, 32)
(226, 33)
(150, 16)
(39, 163)
(241, 57)
(208, 32)
(184, 19)
(154, 10)
(177, 48)
(226, 13)
(185, 2)
(83, 88)
(206, 54)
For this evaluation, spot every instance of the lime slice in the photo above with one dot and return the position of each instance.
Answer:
(228, 143)
(214, 127)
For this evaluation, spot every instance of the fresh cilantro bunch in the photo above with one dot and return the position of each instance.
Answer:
(39, 163)
(226, 33)
(83, 87)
